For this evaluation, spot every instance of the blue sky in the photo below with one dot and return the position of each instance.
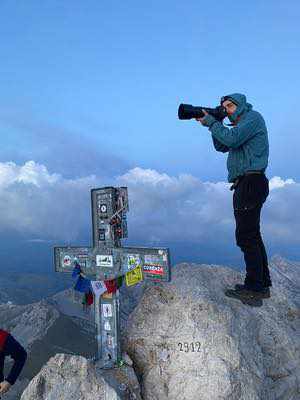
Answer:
(92, 88)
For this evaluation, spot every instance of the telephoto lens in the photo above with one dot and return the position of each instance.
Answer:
(187, 111)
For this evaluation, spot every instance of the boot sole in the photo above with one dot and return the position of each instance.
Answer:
(249, 301)
(253, 302)
(261, 295)
(243, 296)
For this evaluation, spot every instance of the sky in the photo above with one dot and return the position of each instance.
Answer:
(89, 93)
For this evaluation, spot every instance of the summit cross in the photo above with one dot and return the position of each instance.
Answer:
(107, 261)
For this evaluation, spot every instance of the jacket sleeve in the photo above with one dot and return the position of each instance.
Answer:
(18, 354)
(238, 135)
(219, 146)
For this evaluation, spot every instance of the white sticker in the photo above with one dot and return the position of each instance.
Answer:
(106, 310)
(133, 261)
(165, 258)
(67, 261)
(110, 341)
(104, 260)
(98, 287)
(107, 326)
(103, 208)
(160, 252)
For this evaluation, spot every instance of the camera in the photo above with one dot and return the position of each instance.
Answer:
(187, 111)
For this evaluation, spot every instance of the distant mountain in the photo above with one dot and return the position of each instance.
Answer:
(26, 288)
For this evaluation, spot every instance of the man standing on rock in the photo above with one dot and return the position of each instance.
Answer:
(10, 347)
(248, 149)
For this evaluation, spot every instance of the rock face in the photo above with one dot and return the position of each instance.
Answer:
(67, 377)
(188, 341)
(28, 323)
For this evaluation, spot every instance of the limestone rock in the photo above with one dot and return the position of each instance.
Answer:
(189, 341)
(67, 377)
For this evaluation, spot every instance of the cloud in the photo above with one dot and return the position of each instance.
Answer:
(179, 208)
(162, 208)
(35, 202)
(185, 208)
(29, 173)
(277, 182)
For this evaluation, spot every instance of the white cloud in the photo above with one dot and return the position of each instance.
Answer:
(35, 202)
(277, 182)
(46, 206)
(146, 176)
(29, 173)
(186, 208)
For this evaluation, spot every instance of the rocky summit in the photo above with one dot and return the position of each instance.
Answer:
(184, 339)
(189, 341)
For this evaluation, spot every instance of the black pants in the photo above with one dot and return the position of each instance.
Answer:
(248, 198)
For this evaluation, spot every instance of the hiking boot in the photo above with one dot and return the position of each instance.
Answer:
(243, 294)
(265, 294)
(250, 300)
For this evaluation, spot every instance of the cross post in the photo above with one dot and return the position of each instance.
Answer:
(107, 260)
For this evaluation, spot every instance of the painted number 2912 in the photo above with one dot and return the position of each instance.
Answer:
(189, 347)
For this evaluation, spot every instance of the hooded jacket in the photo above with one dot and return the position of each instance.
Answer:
(246, 143)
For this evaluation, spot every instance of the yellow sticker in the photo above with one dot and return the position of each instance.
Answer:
(134, 276)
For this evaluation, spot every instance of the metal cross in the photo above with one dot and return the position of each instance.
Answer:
(108, 260)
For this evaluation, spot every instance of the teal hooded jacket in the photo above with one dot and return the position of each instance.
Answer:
(246, 143)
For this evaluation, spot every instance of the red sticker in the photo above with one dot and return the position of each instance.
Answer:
(153, 269)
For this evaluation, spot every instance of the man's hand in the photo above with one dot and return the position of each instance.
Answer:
(202, 119)
(4, 387)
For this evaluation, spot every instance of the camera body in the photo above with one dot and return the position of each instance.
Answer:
(187, 111)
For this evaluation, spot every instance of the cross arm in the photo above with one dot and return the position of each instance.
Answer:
(65, 257)
(110, 263)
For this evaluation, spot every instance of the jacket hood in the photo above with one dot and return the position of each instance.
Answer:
(242, 106)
